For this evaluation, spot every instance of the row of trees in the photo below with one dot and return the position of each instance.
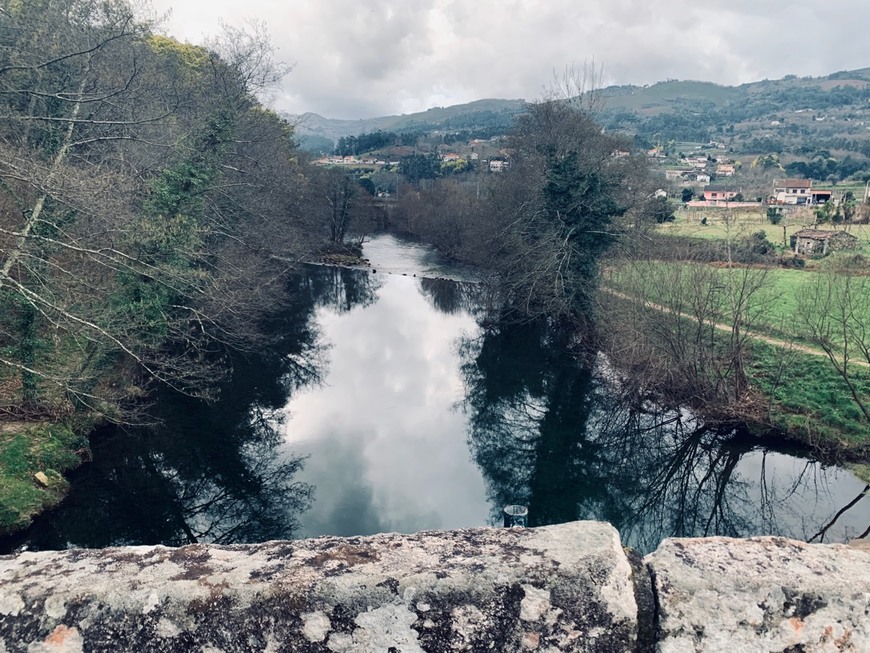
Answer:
(150, 207)
(352, 145)
(825, 167)
(362, 143)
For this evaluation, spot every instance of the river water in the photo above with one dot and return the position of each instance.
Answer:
(389, 408)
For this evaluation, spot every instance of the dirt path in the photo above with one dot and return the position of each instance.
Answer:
(755, 335)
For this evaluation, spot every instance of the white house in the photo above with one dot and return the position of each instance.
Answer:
(793, 191)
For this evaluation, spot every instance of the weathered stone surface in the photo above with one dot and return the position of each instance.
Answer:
(559, 588)
(761, 594)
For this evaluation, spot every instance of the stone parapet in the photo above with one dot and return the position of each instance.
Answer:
(569, 587)
(558, 588)
(761, 594)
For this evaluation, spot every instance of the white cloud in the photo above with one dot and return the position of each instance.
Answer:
(360, 59)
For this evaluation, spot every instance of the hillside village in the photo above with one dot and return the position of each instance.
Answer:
(794, 144)
(489, 153)
(705, 177)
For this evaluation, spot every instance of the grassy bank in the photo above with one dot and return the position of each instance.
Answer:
(777, 304)
(809, 401)
(795, 390)
(32, 459)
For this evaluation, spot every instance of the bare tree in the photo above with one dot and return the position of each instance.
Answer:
(685, 327)
(555, 211)
(834, 314)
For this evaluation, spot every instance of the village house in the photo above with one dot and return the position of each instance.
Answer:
(725, 170)
(792, 191)
(699, 162)
(810, 242)
(719, 193)
(799, 192)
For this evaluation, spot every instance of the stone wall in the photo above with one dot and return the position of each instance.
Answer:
(570, 587)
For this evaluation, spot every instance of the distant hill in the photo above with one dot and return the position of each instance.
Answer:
(797, 115)
(665, 95)
(793, 114)
(480, 114)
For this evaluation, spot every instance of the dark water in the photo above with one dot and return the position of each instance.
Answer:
(389, 409)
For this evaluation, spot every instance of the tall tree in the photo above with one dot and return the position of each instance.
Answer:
(554, 211)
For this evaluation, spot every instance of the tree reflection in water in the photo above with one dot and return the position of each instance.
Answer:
(451, 297)
(552, 433)
(339, 289)
(208, 472)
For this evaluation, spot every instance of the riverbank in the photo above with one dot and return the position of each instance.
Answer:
(780, 350)
(33, 459)
(793, 389)
(341, 255)
(795, 393)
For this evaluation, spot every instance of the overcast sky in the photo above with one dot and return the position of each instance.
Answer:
(366, 58)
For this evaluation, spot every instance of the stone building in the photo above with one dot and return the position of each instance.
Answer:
(812, 242)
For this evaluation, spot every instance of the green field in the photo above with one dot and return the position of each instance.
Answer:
(808, 399)
(782, 308)
(776, 307)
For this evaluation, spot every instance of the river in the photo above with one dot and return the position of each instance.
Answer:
(389, 408)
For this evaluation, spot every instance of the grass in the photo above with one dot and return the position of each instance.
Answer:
(862, 471)
(24, 452)
(783, 290)
(809, 400)
(778, 300)
(805, 396)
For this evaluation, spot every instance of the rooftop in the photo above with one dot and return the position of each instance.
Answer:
(820, 234)
(794, 183)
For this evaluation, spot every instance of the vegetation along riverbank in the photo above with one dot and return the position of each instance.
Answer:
(151, 212)
(698, 310)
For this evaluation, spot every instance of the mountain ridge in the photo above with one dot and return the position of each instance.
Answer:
(622, 105)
